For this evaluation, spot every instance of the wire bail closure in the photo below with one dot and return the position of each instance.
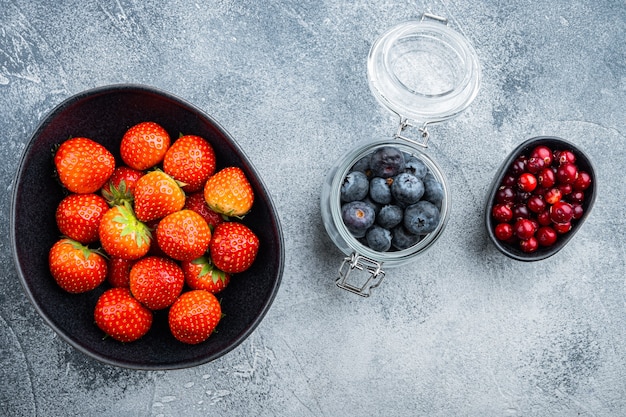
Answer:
(435, 17)
(423, 133)
(372, 270)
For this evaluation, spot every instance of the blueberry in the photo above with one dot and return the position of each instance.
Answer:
(389, 216)
(380, 190)
(407, 189)
(358, 216)
(415, 166)
(355, 186)
(362, 165)
(402, 239)
(376, 206)
(387, 162)
(433, 190)
(378, 238)
(421, 218)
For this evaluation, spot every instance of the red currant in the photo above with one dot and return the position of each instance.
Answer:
(522, 196)
(505, 195)
(527, 182)
(509, 180)
(578, 211)
(502, 213)
(561, 212)
(582, 182)
(504, 231)
(529, 245)
(553, 195)
(534, 165)
(566, 156)
(524, 229)
(542, 152)
(519, 166)
(576, 197)
(546, 178)
(566, 173)
(535, 224)
(561, 228)
(543, 218)
(536, 204)
(565, 189)
(520, 211)
(546, 236)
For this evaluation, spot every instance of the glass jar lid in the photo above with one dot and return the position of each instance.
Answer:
(423, 70)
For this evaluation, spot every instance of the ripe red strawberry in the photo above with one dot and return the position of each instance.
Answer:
(183, 235)
(75, 267)
(156, 282)
(201, 274)
(83, 165)
(233, 247)
(119, 272)
(122, 235)
(121, 185)
(190, 160)
(121, 316)
(229, 192)
(194, 316)
(195, 202)
(154, 250)
(144, 145)
(157, 195)
(78, 216)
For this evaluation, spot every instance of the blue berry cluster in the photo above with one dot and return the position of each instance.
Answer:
(390, 200)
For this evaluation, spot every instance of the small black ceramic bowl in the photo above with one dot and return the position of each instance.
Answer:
(582, 161)
(104, 114)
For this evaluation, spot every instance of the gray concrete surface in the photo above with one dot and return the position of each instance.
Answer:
(464, 331)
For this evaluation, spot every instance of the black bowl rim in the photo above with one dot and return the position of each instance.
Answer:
(121, 363)
(589, 200)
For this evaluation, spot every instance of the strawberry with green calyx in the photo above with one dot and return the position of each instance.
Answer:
(190, 160)
(234, 247)
(183, 235)
(194, 316)
(156, 282)
(229, 192)
(121, 185)
(201, 274)
(144, 145)
(157, 195)
(75, 267)
(82, 165)
(122, 235)
(121, 316)
(78, 216)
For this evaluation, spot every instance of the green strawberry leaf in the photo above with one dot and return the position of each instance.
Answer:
(132, 226)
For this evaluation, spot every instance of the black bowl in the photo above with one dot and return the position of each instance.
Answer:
(582, 161)
(104, 114)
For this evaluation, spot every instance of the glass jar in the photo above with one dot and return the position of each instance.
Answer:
(424, 72)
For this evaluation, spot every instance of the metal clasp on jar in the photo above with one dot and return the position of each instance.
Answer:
(422, 130)
(370, 274)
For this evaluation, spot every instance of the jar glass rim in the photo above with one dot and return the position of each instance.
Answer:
(439, 61)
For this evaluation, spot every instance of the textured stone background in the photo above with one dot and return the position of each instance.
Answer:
(463, 331)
